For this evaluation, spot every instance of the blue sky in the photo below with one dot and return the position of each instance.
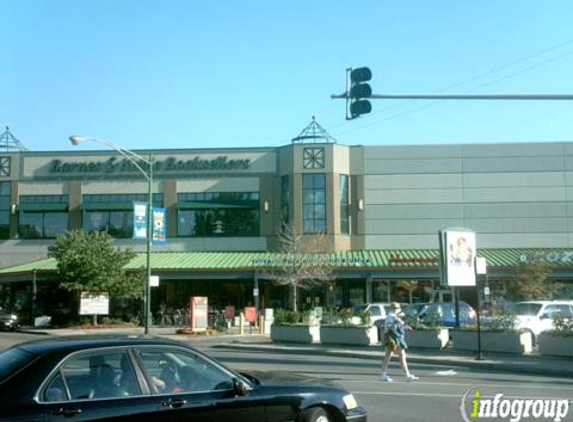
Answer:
(234, 73)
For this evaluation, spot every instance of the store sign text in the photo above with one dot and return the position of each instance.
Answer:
(171, 164)
(399, 259)
(553, 257)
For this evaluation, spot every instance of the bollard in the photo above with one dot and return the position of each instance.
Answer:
(262, 324)
(242, 323)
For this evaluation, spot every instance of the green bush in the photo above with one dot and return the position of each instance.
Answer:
(286, 317)
(503, 321)
(563, 325)
(342, 317)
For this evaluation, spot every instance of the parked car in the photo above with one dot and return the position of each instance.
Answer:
(445, 312)
(537, 316)
(145, 378)
(8, 321)
(377, 311)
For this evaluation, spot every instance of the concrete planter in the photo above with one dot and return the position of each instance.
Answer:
(295, 333)
(556, 344)
(362, 336)
(493, 341)
(436, 338)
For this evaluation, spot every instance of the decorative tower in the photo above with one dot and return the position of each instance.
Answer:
(314, 133)
(9, 143)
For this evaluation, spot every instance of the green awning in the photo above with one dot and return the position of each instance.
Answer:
(108, 206)
(370, 260)
(39, 207)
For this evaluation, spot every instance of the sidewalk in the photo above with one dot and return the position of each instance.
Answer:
(449, 358)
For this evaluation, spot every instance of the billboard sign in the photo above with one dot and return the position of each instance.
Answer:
(457, 257)
(94, 303)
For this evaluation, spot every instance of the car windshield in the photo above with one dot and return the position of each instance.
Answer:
(529, 309)
(358, 308)
(11, 360)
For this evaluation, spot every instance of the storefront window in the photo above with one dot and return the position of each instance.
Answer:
(4, 210)
(42, 216)
(38, 225)
(344, 204)
(314, 203)
(218, 214)
(113, 213)
(285, 199)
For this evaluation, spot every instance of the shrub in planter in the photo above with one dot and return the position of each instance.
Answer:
(294, 326)
(498, 334)
(338, 326)
(430, 334)
(558, 342)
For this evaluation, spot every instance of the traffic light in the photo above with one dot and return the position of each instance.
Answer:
(356, 105)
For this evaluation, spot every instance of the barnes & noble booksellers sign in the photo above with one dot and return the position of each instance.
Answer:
(115, 165)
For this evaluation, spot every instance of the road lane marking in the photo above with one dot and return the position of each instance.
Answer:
(482, 384)
(398, 393)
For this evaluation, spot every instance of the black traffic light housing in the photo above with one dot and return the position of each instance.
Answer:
(356, 91)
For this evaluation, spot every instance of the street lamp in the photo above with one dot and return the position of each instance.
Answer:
(145, 167)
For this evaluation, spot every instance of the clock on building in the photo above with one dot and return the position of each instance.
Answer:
(313, 158)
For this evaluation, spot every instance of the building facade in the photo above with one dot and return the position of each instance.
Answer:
(365, 199)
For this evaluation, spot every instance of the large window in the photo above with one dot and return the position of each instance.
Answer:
(314, 203)
(285, 199)
(344, 195)
(4, 210)
(42, 216)
(218, 214)
(113, 213)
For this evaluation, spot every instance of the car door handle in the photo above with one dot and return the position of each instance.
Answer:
(66, 412)
(174, 403)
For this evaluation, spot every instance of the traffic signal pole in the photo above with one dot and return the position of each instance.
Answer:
(518, 97)
(359, 93)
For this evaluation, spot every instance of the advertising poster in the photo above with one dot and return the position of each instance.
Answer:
(459, 256)
(139, 220)
(159, 226)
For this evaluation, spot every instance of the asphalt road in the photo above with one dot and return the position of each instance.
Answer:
(437, 396)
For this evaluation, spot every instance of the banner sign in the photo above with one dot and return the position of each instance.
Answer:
(139, 220)
(457, 257)
(159, 235)
(94, 303)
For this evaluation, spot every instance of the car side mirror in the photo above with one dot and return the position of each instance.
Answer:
(240, 388)
(544, 316)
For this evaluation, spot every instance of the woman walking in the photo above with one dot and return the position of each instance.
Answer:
(394, 341)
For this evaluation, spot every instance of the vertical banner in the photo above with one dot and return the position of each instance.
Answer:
(159, 235)
(139, 220)
(457, 257)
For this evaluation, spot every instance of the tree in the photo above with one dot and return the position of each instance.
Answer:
(89, 262)
(531, 281)
(302, 261)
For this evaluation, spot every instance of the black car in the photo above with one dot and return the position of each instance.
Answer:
(151, 379)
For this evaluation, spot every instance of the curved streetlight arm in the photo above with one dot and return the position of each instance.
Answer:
(128, 154)
(135, 159)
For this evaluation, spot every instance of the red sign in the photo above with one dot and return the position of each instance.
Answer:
(250, 314)
(199, 310)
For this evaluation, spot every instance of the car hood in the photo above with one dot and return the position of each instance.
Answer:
(287, 379)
